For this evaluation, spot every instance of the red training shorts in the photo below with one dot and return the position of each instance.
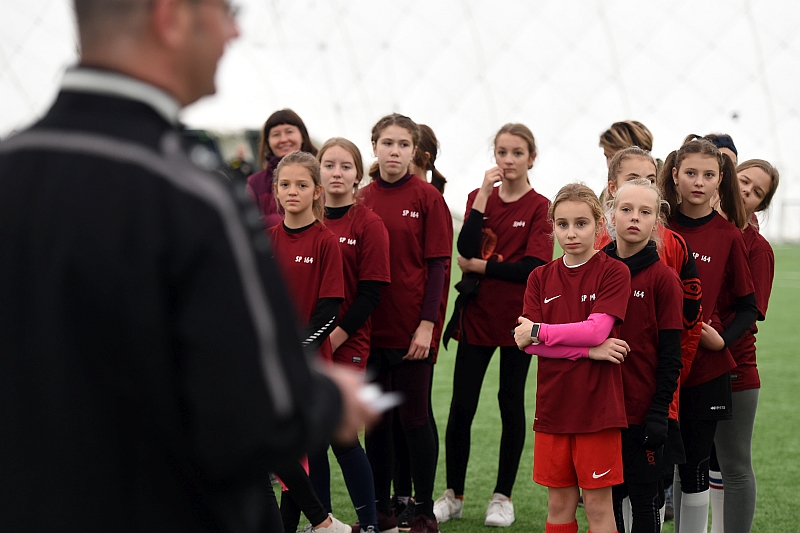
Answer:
(588, 460)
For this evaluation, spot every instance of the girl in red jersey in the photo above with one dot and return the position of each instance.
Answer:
(650, 373)
(692, 176)
(309, 257)
(364, 244)
(513, 217)
(283, 133)
(423, 162)
(576, 301)
(416, 218)
(635, 163)
(758, 181)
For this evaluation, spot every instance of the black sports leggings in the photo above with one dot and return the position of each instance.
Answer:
(471, 365)
(299, 497)
(412, 379)
(698, 438)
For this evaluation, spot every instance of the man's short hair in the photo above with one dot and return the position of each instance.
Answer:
(97, 18)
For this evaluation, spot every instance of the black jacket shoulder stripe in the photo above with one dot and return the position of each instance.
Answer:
(173, 166)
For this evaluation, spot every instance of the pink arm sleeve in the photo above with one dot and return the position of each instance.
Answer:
(573, 353)
(591, 332)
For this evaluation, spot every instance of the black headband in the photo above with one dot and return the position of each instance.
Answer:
(724, 141)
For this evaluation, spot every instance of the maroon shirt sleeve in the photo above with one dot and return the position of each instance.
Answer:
(614, 291)
(739, 280)
(373, 260)
(762, 267)
(540, 239)
(438, 240)
(331, 282)
(532, 302)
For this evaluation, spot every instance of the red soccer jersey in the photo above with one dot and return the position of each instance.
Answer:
(721, 258)
(522, 229)
(364, 244)
(581, 396)
(311, 264)
(674, 253)
(416, 218)
(655, 303)
(762, 267)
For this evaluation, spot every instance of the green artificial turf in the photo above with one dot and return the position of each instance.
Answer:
(776, 444)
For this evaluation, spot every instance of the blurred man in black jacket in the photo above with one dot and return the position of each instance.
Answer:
(150, 375)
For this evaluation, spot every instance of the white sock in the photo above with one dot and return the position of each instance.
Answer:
(694, 512)
(627, 514)
(717, 501)
(661, 513)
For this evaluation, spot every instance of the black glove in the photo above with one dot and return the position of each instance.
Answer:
(655, 431)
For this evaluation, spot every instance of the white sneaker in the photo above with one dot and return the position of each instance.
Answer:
(448, 506)
(500, 512)
(336, 527)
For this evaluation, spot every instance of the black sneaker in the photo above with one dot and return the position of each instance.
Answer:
(405, 513)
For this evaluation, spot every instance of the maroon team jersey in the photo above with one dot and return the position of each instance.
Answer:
(721, 258)
(581, 396)
(655, 303)
(364, 244)
(311, 263)
(416, 219)
(762, 267)
(522, 230)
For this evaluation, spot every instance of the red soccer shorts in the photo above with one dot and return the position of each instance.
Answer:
(588, 460)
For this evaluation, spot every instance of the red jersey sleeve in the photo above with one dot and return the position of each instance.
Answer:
(470, 200)
(739, 280)
(438, 240)
(532, 302)
(373, 259)
(614, 291)
(762, 267)
(540, 239)
(331, 282)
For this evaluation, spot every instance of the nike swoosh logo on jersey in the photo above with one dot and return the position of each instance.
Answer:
(597, 476)
(548, 300)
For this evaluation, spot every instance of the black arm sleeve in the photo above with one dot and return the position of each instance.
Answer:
(668, 370)
(517, 271)
(321, 323)
(746, 315)
(368, 296)
(469, 240)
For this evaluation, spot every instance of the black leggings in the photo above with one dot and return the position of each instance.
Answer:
(471, 365)
(412, 379)
(402, 471)
(698, 438)
(646, 502)
(299, 497)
